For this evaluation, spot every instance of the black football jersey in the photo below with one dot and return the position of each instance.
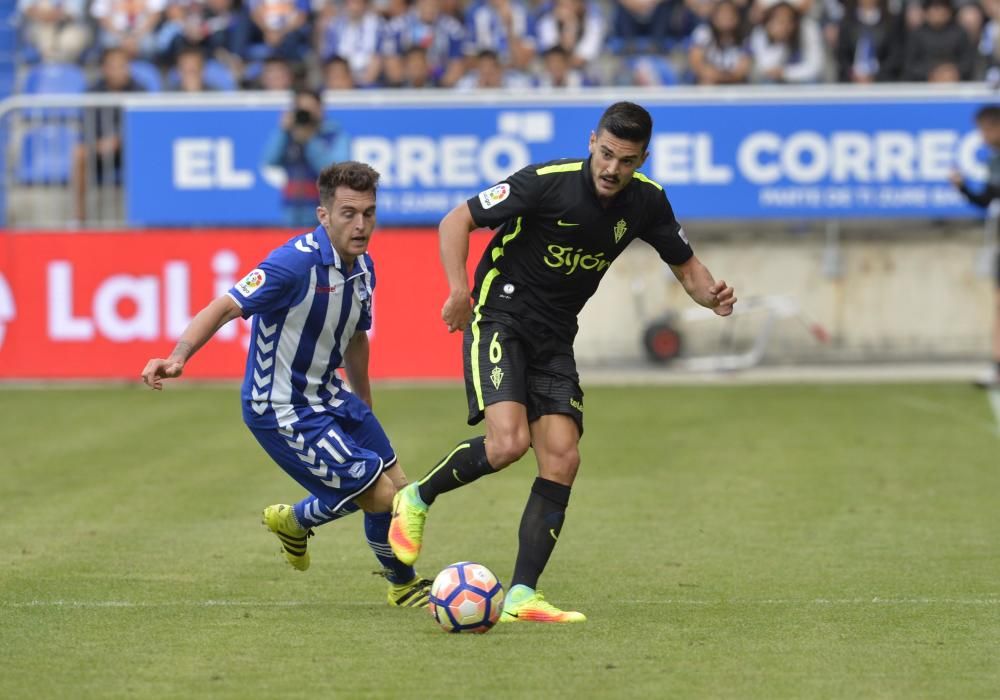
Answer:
(555, 240)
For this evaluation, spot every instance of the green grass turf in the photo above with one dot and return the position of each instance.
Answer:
(726, 542)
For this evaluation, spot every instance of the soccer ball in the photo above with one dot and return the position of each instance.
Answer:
(466, 597)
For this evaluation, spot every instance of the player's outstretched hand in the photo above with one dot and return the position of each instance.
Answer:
(157, 370)
(457, 312)
(724, 296)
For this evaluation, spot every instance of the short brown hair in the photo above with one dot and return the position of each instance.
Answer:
(360, 177)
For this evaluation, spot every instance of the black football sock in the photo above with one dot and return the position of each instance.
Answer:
(463, 465)
(540, 526)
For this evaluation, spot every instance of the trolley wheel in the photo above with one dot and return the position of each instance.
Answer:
(661, 341)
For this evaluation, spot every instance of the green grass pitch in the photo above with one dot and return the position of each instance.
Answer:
(726, 542)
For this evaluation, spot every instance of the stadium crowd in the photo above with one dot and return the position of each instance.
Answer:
(193, 45)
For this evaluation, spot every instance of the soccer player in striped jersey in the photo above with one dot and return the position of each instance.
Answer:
(311, 305)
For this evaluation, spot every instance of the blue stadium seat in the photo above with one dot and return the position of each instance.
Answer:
(46, 156)
(147, 75)
(54, 78)
(656, 70)
(217, 77)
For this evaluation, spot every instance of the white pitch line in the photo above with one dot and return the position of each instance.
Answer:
(822, 601)
(923, 405)
(994, 397)
(663, 601)
(175, 604)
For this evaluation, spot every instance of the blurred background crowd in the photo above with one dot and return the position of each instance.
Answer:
(197, 45)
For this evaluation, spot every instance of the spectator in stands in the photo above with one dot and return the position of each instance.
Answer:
(389, 10)
(441, 37)
(191, 70)
(989, 45)
(969, 14)
(501, 27)
(57, 29)
(275, 74)
(557, 70)
(698, 12)
(219, 29)
(939, 50)
(278, 28)
(756, 10)
(337, 74)
(787, 47)
(98, 158)
(489, 74)
(304, 144)
(354, 32)
(719, 53)
(417, 70)
(575, 25)
(988, 123)
(869, 43)
(638, 21)
(184, 24)
(129, 24)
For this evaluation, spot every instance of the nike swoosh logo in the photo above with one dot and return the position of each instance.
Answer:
(454, 473)
(554, 535)
(560, 222)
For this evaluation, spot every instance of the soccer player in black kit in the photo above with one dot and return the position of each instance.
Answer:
(559, 226)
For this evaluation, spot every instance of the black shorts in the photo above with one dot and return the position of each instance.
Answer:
(512, 359)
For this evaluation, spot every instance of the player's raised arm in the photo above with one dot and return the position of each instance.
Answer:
(703, 288)
(202, 327)
(453, 238)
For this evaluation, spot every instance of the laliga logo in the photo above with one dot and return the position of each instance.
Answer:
(125, 308)
(8, 311)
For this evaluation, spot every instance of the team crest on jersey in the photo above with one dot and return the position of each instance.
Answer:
(496, 376)
(251, 283)
(494, 195)
(620, 228)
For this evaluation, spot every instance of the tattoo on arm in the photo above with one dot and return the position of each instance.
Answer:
(182, 350)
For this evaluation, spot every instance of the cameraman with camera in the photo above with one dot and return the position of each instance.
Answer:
(304, 145)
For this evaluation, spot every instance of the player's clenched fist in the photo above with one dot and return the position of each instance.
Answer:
(456, 312)
(157, 370)
(725, 297)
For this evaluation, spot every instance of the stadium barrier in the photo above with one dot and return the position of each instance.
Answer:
(832, 152)
(825, 195)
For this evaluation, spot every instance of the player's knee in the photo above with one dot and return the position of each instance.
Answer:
(503, 449)
(560, 465)
(378, 498)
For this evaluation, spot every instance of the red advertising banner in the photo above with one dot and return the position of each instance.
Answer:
(98, 305)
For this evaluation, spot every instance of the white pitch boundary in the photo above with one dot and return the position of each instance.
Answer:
(994, 397)
(876, 600)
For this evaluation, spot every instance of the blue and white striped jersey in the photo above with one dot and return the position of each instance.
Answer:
(305, 308)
